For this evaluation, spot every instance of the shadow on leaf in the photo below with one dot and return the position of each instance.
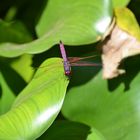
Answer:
(132, 68)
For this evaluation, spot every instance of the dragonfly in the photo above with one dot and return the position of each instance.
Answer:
(73, 61)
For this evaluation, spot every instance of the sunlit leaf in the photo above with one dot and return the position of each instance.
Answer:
(74, 22)
(37, 105)
(23, 67)
(126, 20)
(111, 107)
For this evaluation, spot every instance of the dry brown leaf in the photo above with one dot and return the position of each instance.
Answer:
(118, 46)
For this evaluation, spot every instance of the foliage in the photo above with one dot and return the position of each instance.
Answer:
(33, 85)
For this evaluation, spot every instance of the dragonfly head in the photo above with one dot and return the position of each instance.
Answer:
(67, 73)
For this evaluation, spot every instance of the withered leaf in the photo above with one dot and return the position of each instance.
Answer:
(118, 46)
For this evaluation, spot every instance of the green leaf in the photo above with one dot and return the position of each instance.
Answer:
(66, 130)
(37, 105)
(11, 13)
(23, 67)
(74, 22)
(14, 32)
(111, 107)
(6, 96)
(126, 20)
(95, 135)
(120, 3)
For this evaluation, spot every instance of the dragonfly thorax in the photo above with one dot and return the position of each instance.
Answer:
(67, 68)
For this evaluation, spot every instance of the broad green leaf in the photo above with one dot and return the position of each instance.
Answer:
(66, 130)
(6, 96)
(74, 22)
(112, 108)
(120, 3)
(37, 105)
(13, 32)
(23, 67)
(127, 21)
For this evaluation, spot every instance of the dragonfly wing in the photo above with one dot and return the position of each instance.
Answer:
(75, 59)
(84, 63)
